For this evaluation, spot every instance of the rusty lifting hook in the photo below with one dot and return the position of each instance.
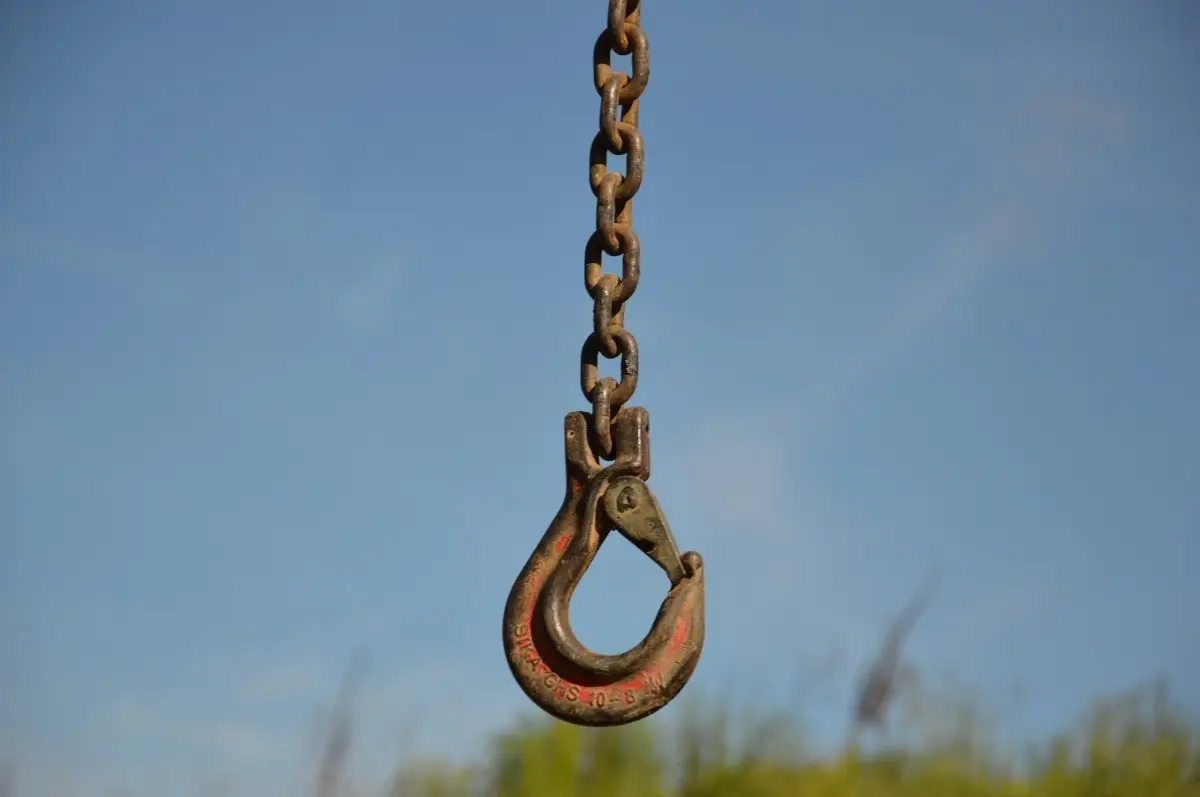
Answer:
(549, 663)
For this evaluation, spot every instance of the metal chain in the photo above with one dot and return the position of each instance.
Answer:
(614, 235)
(550, 664)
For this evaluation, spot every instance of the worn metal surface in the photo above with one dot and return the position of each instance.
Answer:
(551, 665)
(557, 672)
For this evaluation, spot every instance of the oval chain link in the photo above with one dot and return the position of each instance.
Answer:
(619, 135)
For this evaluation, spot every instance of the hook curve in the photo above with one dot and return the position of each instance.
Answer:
(551, 666)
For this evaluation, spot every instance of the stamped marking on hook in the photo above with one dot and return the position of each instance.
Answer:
(551, 666)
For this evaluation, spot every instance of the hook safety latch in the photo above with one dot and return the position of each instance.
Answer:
(560, 675)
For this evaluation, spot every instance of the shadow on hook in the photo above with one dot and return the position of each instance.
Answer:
(549, 663)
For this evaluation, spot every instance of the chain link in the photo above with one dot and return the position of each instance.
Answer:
(620, 95)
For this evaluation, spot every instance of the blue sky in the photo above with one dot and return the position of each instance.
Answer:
(291, 307)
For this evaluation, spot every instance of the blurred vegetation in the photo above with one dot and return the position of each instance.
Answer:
(1133, 745)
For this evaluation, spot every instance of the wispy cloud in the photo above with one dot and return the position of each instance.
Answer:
(133, 718)
(368, 301)
(302, 678)
(1042, 162)
(241, 741)
(749, 481)
(237, 737)
(738, 472)
(149, 279)
(252, 735)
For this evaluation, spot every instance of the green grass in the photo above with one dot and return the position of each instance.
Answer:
(1133, 745)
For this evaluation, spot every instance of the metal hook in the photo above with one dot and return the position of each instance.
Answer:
(549, 663)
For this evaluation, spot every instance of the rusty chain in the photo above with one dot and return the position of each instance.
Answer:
(620, 96)
(548, 661)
